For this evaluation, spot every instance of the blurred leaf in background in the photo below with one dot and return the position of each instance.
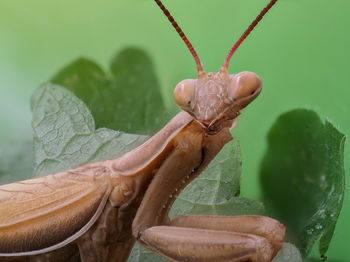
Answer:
(302, 175)
(129, 99)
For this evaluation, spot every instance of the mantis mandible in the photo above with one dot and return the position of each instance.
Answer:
(96, 212)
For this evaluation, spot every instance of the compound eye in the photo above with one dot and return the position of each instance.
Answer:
(244, 85)
(184, 94)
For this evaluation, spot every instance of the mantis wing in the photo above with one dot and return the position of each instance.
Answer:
(46, 213)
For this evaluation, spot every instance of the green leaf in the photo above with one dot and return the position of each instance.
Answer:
(303, 177)
(215, 190)
(16, 161)
(232, 207)
(65, 136)
(129, 100)
(141, 254)
(288, 253)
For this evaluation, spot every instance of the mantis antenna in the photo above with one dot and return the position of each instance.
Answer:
(233, 49)
(184, 38)
(245, 34)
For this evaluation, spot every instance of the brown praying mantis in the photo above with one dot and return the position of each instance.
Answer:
(96, 212)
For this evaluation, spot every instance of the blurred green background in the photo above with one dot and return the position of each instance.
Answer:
(300, 50)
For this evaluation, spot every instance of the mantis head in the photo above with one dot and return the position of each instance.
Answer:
(215, 99)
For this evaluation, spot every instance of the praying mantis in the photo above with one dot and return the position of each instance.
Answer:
(96, 212)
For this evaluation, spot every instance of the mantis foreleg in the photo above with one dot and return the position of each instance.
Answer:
(263, 226)
(216, 238)
(200, 245)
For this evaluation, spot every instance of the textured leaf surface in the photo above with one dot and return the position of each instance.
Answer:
(215, 191)
(303, 176)
(65, 136)
(129, 100)
(141, 254)
(288, 253)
